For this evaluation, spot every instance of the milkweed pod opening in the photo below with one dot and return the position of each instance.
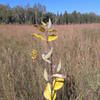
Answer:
(45, 59)
(48, 55)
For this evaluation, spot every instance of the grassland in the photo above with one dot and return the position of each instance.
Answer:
(77, 45)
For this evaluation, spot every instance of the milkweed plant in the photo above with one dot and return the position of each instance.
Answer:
(54, 80)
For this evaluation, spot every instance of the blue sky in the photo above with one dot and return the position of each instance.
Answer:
(60, 5)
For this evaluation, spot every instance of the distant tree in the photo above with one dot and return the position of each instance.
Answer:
(18, 15)
(48, 15)
(92, 17)
(65, 17)
(34, 15)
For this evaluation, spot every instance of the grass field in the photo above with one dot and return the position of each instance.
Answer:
(77, 45)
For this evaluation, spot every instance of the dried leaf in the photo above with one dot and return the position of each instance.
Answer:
(45, 74)
(38, 36)
(40, 28)
(36, 25)
(48, 55)
(44, 24)
(34, 54)
(52, 37)
(59, 66)
(52, 30)
(47, 92)
(45, 59)
(58, 83)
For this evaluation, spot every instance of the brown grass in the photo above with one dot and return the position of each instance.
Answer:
(77, 45)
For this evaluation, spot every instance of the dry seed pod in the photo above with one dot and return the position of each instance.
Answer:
(49, 24)
(47, 56)
(45, 74)
(59, 66)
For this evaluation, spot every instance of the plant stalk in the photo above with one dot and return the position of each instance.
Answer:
(51, 65)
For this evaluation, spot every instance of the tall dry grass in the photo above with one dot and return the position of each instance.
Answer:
(77, 45)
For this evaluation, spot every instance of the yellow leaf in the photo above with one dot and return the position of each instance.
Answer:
(58, 83)
(34, 54)
(52, 30)
(47, 92)
(52, 37)
(44, 24)
(40, 28)
(38, 36)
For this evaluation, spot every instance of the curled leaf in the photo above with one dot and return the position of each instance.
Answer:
(38, 36)
(44, 24)
(47, 92)
(45, 59)
(58, 83)
(52, 37)
(40, 28)
(45, 74)
(59, 66)
(48, 55)
(52, 30)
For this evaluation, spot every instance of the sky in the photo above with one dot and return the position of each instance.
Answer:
(55, 6)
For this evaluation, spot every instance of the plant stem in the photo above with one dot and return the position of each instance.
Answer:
(51, 65)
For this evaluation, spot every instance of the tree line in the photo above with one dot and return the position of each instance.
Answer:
(34, 15)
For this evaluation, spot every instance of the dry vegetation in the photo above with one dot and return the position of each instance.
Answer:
(79, 48)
